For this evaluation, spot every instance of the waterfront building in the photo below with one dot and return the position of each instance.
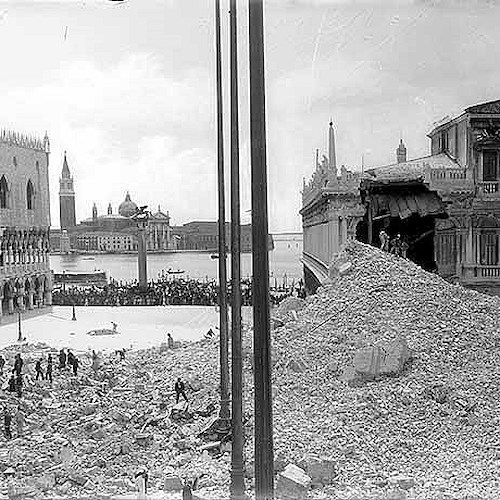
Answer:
(26, 279)
(445, 205)
(204, 236)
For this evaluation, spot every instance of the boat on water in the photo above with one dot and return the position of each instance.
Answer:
(104, 331)
(214, 256)
(175, 271)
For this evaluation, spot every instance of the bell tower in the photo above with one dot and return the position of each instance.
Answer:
(66, 198)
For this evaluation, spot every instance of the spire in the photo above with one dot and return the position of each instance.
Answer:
(46, 143)
(127, 196)
(94, 212)
(159, 209)
(332, 160)
(110, 209)
(65, 171)
(401, 152)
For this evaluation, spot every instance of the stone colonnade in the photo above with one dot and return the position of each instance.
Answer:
(25, 277)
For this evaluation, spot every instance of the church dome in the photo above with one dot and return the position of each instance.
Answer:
(127, 208)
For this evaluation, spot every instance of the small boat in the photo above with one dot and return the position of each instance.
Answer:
(175, 271)
(214, 256)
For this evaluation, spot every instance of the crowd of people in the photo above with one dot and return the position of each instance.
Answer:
(163, 292)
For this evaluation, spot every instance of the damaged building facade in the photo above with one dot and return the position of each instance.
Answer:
(445, 205)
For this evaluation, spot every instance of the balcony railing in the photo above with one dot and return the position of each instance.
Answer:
(477, 273)
(489, 187)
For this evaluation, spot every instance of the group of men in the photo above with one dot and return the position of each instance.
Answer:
(397, 246)
(68, 360)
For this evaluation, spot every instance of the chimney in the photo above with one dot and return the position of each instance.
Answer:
(401, 152)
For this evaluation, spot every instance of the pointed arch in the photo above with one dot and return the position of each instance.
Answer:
(30, 195)
(4, 192)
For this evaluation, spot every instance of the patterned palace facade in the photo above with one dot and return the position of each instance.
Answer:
(445, 205)
(25, 276)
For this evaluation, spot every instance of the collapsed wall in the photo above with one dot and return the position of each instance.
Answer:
(436, 422)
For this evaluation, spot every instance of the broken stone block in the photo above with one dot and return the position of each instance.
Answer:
(143, 439)
(403, 482)
(321, 470)
(297, 366)
(172, 483)
(293, 483)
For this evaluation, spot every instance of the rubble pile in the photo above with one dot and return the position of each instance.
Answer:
(433, 420)
(88, 435)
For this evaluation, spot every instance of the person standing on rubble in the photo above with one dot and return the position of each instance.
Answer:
(12, 384)
(2, 364)
(7, 420)
(18, 365)
(141, 482)
(384, 241)
(20, 422)
(170, 341)
(38, 369)
(48, 374)
(70, 359)
(62, 359)
(396, 245)
(180, 390)
(75, 365)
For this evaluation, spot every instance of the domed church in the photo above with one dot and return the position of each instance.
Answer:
(114, 232)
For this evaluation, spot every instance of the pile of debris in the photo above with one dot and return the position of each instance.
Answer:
(385, 387)
(391, 372)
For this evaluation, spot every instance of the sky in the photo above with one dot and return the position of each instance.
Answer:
(128, 90)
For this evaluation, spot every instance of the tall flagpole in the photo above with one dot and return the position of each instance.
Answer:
(264, 457)
(223, 350)
(237, 472)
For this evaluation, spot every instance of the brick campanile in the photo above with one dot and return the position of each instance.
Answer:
(66, 198)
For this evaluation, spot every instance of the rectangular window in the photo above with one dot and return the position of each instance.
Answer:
(489, 248)
(490, 165)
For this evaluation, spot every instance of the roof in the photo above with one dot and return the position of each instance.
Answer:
(411, 170)
(491, 108)
(403, 205)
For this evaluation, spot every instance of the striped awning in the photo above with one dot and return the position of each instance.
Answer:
(404, 205)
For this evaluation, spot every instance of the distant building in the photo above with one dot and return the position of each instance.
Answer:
(110, 232)
(204, 236)
(445, 205)
(26, 278)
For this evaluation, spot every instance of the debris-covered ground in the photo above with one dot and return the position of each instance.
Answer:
(429, 433)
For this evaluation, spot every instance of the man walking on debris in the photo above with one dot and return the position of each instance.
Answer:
(396, 245)
(12, 383)
(48, 374)
(180, 390)
(38, 369)
(18, 365)
(70, 358)
(141, 482)
(384, 241)
(170, 341)
(7, 420)
(62, 359)
(75, 365)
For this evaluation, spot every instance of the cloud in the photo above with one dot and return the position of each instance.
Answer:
(127, 126)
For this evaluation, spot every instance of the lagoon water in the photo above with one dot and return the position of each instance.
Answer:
(284, 263)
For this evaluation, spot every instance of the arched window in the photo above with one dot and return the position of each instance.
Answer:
(4, 192)
(30, 196)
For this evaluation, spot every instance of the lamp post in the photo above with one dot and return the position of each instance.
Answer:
(19, 331)
(237, 467)
(141, 218)
(223, 323)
